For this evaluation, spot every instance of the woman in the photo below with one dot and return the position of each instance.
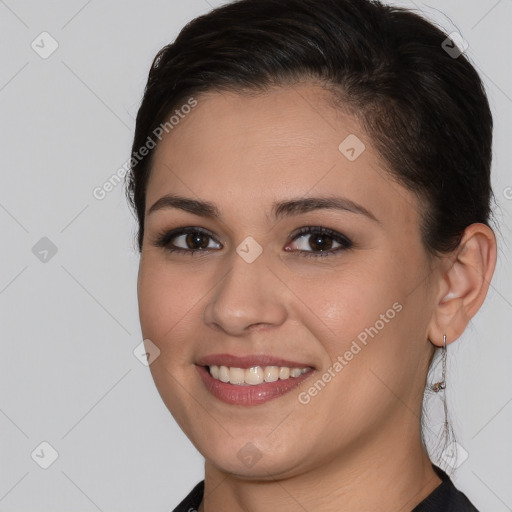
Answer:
(312, 185)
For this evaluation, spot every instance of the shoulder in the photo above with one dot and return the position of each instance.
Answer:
(192, 500)
(445, 497)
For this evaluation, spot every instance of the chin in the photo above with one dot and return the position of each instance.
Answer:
(253, 456)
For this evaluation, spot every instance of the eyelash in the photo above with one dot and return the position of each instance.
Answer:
(163, 240)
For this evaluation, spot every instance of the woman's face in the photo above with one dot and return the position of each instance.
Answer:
(351, 305)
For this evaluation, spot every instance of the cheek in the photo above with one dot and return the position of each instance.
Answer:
(166, 310)
(166, 299)
(345, 303)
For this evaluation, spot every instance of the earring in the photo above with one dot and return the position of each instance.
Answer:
(438, 386)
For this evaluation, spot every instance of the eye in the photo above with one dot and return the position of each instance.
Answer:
(311, 241)
(316, 241)
(188, 240)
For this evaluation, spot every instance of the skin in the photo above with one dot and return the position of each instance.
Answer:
(356, 445)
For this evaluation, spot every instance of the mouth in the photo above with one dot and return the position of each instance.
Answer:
(250, 380)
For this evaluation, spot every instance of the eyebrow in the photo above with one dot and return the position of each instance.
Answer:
(279, 209)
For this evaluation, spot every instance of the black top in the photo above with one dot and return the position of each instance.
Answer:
(444, 498)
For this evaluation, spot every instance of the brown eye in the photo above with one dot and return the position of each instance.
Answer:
(319, 241)
(188, 240)
(196, 240)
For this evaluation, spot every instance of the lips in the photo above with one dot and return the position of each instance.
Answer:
(249, 395)
(255, 394)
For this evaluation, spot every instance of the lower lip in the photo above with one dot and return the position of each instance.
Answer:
(251, 394)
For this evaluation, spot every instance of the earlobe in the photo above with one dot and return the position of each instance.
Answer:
(464, 283)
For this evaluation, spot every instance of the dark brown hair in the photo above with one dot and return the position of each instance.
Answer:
(424, 109)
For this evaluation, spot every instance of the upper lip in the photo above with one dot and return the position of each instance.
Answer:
(248, 361)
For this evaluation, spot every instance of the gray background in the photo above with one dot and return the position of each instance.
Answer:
(69, 323)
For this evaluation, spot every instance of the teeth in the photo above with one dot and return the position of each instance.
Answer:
(236, 375)
(284, 372)
(271, 373)
(224, 374)
(255, 375)
(214, 371)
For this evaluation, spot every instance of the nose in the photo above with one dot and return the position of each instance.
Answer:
(248, 297)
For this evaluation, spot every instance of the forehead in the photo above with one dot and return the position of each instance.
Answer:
(238, 150)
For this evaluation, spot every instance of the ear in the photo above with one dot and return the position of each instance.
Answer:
(465, 278)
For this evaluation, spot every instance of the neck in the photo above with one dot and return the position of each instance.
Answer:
(393, 473)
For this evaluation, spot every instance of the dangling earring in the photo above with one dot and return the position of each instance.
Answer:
(438, 386)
